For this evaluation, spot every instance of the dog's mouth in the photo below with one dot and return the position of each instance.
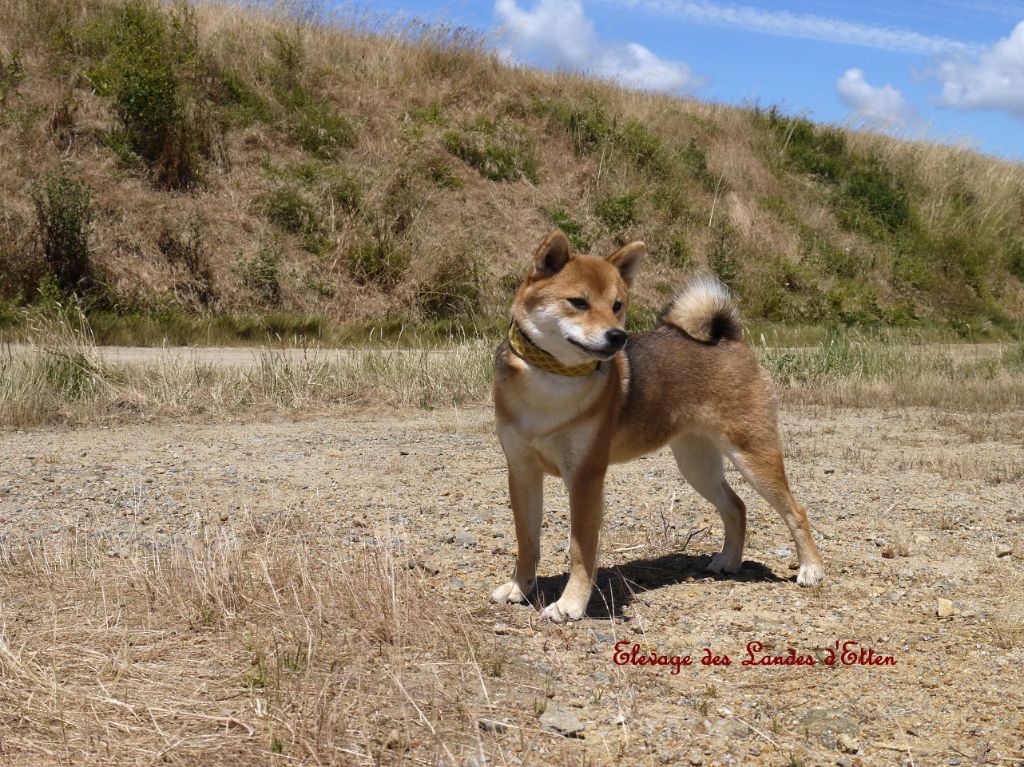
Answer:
(603, 353)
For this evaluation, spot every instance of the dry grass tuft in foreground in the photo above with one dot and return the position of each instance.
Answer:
(235, 648)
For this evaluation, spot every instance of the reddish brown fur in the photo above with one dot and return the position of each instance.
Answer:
(706, 400)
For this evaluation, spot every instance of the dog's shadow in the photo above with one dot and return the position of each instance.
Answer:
(618, 586)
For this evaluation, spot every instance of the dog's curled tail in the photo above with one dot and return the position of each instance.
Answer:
(704, 311)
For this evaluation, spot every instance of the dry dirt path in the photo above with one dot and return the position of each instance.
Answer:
(908, 507)
(216, 356)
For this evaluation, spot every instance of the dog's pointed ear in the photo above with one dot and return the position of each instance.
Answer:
(551, 255)
(627, 258)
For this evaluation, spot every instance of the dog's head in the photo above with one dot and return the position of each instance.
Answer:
(574, 307)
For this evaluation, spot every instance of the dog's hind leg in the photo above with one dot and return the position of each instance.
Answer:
(526, 490)
(760, 461)
(700, 463)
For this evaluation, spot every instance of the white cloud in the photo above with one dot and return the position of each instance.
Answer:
(558, 33)
(877, 107)
(993, 80)
(806, 26)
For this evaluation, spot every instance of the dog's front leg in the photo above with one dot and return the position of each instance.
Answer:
(586, 510)
(526, 491)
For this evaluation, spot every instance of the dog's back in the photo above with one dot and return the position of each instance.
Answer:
(692, 372)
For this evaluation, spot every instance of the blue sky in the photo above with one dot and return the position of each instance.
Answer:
(947, 70)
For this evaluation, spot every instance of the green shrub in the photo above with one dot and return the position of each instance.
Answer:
(442, 174)
(64, 217)
(1015, 259)
(12, 73)
(642, 147)
(378, 261)
(872, 201)
(571, 228)
(262, 275)
(189, 250)
(696, 161)
(498, 153)
(819, 152)
(869, 197)
(430, 114)
(344, 192)
(20, 266)
(617, 213)
(723, 257)
(454, 289)
(288, 209)
(146, 61)
(242, 105)
(588, 126)
(321, 132)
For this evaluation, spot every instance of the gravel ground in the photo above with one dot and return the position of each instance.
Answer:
(917, 514)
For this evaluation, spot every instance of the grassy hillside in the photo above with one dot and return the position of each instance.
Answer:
(222, 170)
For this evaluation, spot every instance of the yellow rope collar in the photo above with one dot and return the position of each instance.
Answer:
(534, 355)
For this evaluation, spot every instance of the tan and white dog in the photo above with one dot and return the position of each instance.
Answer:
(572, 396)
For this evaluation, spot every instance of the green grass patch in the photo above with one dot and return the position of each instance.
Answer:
(287, 208)
(262, 275)
(378, 260)
(500, 152)
(617, 212)
(571, 227)
(321, 132)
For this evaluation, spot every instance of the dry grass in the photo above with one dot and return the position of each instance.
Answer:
(64, 379)
(267, 646)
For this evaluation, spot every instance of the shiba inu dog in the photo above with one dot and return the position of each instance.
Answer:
(573, 393)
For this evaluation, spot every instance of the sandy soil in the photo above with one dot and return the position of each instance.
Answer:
(909, 508)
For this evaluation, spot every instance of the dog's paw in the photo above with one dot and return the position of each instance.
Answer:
(723, 563)
(564, 610)
(512, 592)
(810, 575)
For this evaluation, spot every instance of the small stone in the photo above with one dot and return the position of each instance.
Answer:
(944, 608)
(1004, 550)
(465, 540)
(501, 629)
(848, 743)
(620, 720)
(556, 718)
(457, 583)
(695, 757)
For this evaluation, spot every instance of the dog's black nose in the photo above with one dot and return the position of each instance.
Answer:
(616, 338)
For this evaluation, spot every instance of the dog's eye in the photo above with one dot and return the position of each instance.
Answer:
(617, 307)
(579, 303)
